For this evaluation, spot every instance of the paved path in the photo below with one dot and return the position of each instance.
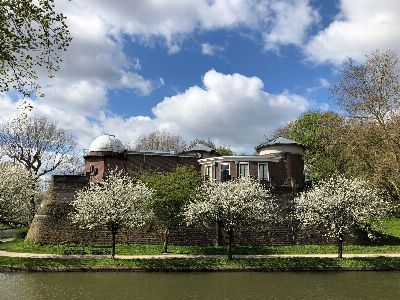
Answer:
(168, 256)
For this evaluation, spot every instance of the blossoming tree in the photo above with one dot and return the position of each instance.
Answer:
(232, 204)
(115, 202)
(339, 204)
(17, 189)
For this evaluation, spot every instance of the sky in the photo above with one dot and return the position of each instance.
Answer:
(230, 70)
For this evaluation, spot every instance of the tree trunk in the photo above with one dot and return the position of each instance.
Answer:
(230, 236)
(219, 241)
(113, 233)
(166, 236)
(340, 244)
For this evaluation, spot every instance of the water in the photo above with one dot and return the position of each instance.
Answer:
(247, 285)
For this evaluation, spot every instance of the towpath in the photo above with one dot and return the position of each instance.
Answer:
(169, 256)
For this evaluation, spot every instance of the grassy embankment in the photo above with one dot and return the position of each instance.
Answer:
(204, 264)
(389, 242)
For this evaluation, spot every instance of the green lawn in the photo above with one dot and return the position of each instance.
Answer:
(264, 264)
(123, 249)
(388, 242)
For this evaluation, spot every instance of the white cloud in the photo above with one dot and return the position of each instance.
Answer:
(361, 27)
(290, 22)
(324, 82)
(233, 109)
(211, 49)
(281, 23)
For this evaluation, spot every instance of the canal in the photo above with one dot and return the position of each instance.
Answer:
(245, 285)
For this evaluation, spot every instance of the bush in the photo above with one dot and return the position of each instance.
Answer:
(22, 232)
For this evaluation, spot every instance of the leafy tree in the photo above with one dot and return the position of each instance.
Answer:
(232, 204)
(32, 36)
(172, 192)
(221, 150)
(323, 134)
(17, 188)
(159, 140)
(340, 204)
(115, 202)
(38, 144)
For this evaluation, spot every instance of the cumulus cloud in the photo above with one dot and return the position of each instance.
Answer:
(361, 27)
(233, 109)
(290, 23)
(281, 23)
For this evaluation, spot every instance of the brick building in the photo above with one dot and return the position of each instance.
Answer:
(278, 163)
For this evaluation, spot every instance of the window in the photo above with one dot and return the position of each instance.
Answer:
(263, 173)
(225, 172)
(208, 172)
(243, 169)
(91, 169)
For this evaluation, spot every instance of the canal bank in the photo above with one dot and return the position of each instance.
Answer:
(198, 264)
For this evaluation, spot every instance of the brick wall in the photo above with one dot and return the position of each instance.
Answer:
(52, 225)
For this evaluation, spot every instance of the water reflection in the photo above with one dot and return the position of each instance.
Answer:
(140, 285)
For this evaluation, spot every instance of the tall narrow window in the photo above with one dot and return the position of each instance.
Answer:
(263, 173)
(225, 172)
(243, 169)
(208, 172)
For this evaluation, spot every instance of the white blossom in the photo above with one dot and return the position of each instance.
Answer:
(115, 202)
(233, 203)
(339, 204)
(17, 192)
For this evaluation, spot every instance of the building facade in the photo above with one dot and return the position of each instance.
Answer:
(278, 165)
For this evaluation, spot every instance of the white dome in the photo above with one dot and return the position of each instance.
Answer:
(107, 142)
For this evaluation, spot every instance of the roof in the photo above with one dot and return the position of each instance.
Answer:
(200, 148)
(279, 141)
(107, 143)
(241, 158)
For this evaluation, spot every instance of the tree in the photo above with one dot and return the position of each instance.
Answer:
(339, 205)
(17, 187)
(370, 93)
(324, 136)
(232, 204)
(172, 192)
(221, 150)
(32, 35)
(115, 202)
(160, 140)
(38, 144)
(370, 90)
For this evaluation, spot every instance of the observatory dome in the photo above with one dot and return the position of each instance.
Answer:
(107, 143)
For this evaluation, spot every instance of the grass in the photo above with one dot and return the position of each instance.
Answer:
(196, 264)
(5, 226)
(124, 249)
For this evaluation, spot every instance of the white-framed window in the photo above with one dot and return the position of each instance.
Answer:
(244, 170)
(208, 172)
(225, 171)
(263, 172)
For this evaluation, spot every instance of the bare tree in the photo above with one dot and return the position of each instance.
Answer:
(160, 140)
(38, 144)
(370, 90)
(370, 93)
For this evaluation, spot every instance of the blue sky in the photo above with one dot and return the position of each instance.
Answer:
(232, 70)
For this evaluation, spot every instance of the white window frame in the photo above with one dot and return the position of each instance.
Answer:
(211, 168)
(248, 169)
(229, 167)
(259, 175)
